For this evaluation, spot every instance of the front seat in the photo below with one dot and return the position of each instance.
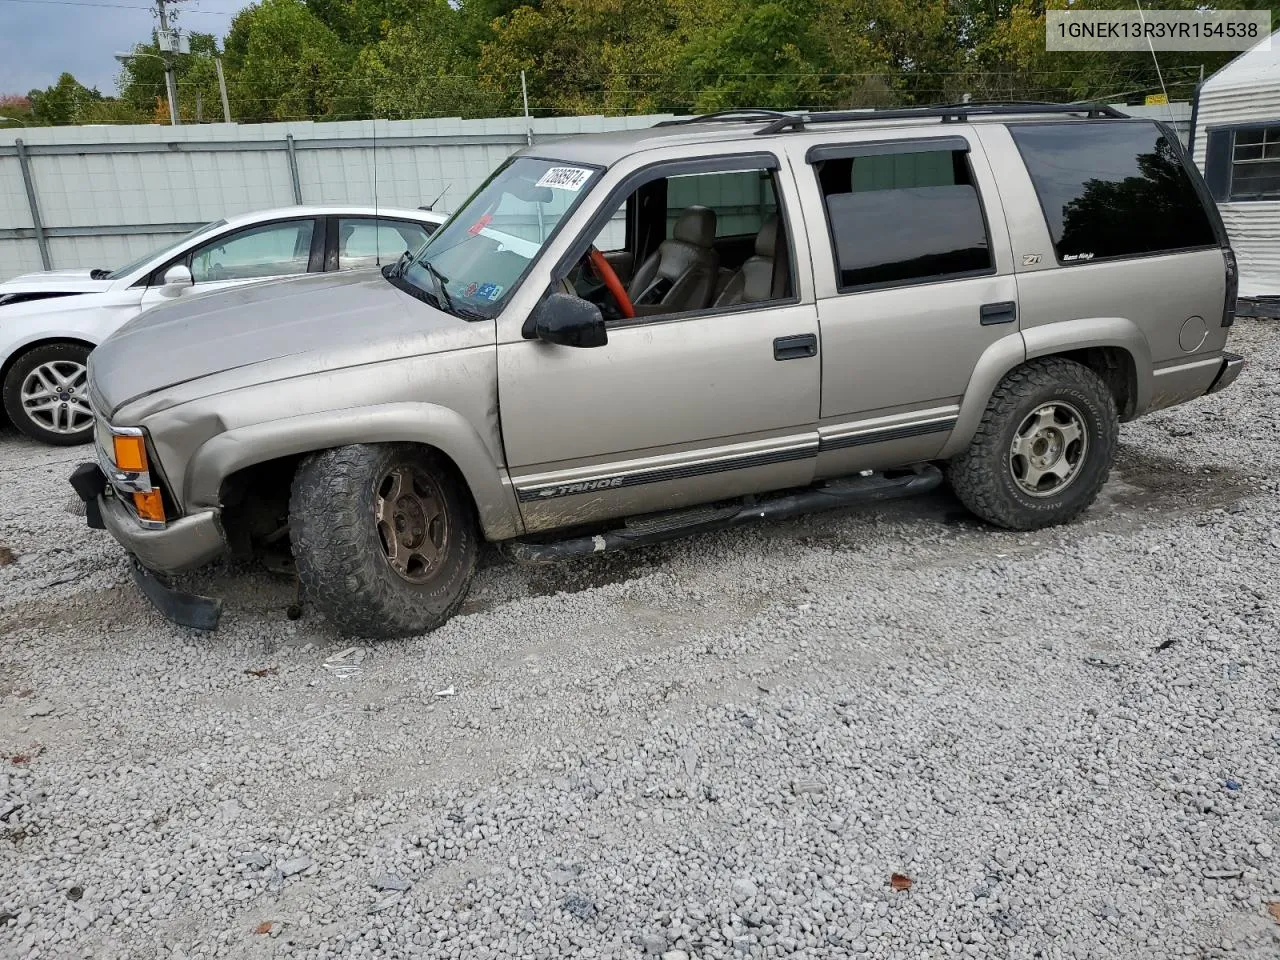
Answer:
(764, 276)
(681, 274)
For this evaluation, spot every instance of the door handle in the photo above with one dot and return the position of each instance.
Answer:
(795, 347)
(1006, 311)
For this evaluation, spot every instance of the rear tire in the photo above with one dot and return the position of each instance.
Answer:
(46, 394)
(1044, 448)
(384, 538)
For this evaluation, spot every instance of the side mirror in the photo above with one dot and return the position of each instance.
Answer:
(567, 320)
(176, 279)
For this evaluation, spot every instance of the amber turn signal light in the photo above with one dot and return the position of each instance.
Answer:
(131, 453)
(150, 505)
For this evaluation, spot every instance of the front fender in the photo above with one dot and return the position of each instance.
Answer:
(425, 423)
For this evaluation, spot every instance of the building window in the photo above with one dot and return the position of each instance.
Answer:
(1255, 164)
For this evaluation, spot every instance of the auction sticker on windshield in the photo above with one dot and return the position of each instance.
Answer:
(564, 178)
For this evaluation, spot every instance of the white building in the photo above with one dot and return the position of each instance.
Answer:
(1236, 144)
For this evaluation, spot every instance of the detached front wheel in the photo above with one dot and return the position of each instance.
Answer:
(1044, 447)
(384, 538)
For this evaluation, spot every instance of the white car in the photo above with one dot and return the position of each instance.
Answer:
(50, 321)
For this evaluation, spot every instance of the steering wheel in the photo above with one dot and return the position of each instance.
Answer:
(600, 266)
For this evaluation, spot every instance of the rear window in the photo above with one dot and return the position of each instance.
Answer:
(1112, 189)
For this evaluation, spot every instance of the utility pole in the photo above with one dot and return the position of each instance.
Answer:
(170, 81)
(222, 88)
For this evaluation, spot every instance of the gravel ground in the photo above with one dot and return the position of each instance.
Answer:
(890, 733)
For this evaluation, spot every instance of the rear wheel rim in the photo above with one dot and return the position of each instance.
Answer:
(55, 397)
(1048, 449)
(412, 524)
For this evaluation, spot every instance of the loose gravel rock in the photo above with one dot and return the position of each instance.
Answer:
(1069, 740)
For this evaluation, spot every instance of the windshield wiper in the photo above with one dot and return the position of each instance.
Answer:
(440, 280)
(396, 270)
(99, 274)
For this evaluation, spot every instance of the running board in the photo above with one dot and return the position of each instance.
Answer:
(656, 528)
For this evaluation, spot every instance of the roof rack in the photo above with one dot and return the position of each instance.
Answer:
(723, 116)
(949, 113)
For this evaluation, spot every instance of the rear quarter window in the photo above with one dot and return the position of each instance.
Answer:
(1112, 189)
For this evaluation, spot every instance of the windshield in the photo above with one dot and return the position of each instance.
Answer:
(172, 244)
(473, 263)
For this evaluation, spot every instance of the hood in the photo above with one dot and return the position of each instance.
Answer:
(335, 320)
(54, 281)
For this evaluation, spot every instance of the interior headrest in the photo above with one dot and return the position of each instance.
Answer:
(767, 238)
(696, 225)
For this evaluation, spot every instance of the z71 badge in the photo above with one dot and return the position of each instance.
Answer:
(1030, 259)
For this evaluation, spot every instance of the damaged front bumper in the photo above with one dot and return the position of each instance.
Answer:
(181, 545)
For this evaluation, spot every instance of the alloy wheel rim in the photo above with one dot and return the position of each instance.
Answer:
(413, 528)
(55, 397)
(1048, 449)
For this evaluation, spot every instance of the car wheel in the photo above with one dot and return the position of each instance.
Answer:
(1043, 450)
(46, 394)
(384, 538)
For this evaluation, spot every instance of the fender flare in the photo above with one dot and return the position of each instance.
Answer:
(426, 423)
(1042, 341)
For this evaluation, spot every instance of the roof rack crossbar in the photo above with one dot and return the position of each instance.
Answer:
(949, 113)
(724, 115)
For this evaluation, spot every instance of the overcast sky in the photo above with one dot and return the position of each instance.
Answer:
(40, 39)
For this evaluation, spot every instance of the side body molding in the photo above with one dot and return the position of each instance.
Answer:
(425, 423)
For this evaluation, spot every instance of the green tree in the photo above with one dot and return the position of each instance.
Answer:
(419, 70)
(285, 64)
(64, 102)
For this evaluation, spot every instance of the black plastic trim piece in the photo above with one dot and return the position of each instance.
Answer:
(885, 434)
(795, 347)
(722, 116)
(874, 148)
(184, 609)
(957, 113)
(89, 483)
(832, 495)
(662, 474)
(1006, 311)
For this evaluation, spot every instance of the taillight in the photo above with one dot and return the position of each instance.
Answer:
(1233, 286)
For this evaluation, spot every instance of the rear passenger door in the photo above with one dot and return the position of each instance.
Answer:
(914, 276)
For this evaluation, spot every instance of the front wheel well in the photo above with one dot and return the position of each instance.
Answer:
(1116, 368)
(36, 344)
(255, 500)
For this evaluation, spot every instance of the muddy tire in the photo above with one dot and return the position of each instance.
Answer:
(384, 538)
(46, 394)
(1043, 450)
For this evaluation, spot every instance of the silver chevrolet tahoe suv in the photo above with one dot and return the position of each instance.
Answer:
(625, 337)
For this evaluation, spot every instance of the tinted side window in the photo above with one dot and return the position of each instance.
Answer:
(1112, 189)
(904, 217)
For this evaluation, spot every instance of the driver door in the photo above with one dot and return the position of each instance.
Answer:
(265, 251)
(678, 408)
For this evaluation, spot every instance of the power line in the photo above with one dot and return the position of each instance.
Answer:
(113, 6)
